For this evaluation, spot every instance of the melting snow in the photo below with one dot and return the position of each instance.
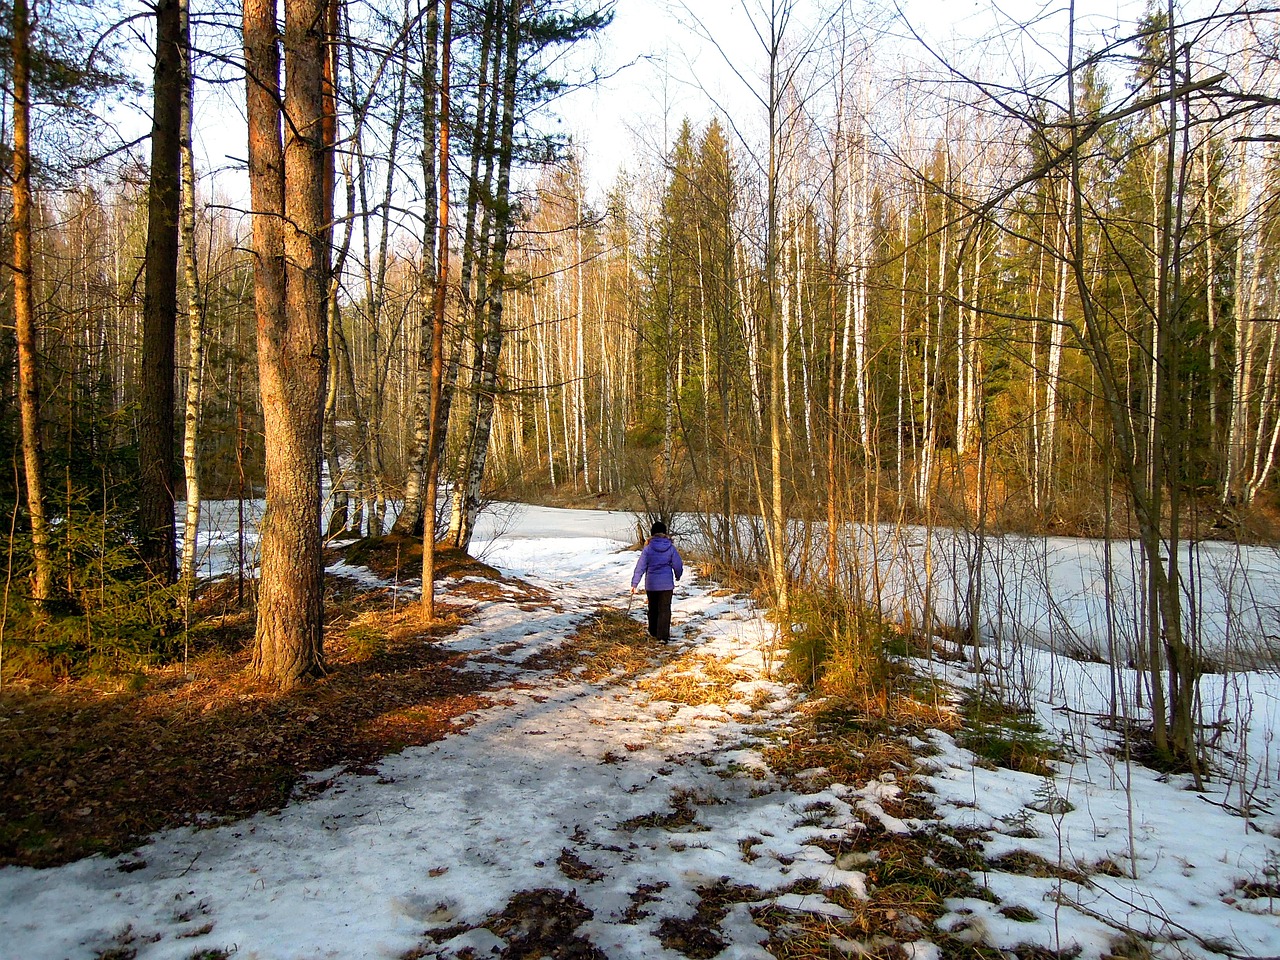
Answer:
(569, 779)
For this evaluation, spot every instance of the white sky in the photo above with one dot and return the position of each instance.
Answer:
(662, 71)
(676, 73)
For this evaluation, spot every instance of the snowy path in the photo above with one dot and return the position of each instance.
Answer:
(559, 779)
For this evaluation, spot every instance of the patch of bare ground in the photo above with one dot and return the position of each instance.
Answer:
(698, 936)
(608, 645)
(398, 558)
(834, 743)
(908, 876)
(534, 924)
(93, 765)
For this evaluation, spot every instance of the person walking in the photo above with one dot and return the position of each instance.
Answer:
(660, 566)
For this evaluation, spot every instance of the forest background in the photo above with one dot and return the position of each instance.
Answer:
(1021, 286)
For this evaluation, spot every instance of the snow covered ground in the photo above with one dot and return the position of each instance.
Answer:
(1060, 593)
(1055, 592)
(572, 785)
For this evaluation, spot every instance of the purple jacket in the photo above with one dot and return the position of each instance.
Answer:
(659, 564)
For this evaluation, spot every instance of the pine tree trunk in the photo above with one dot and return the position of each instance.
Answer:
(291, 246)
(160, 303)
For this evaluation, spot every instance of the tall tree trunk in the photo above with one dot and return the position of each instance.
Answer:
(432, 483)
(345, 480)
(1238, 480)
(475, 255)
(1147, 462)
(833, 408)
(340, 488)
(496, 282)
(777, 519)
(195, 315)
(291, 247)
(160, 302)
(24, 308)
(374, 305)
(411, 513)
(859, 258)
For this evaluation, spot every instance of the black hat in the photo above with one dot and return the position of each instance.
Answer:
(659, 528)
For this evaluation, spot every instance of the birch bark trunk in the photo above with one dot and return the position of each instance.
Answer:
(410, 520)
(195, 317)
(435, 427)
(475, 257)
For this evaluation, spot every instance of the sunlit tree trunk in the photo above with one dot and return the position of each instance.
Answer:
(24, 308)
(778, 540)
(372, 308)
(859, 255)
(287, 186)
(496, 281)
(432, 479)
(339, 485)
(412, 512)
(476, 234)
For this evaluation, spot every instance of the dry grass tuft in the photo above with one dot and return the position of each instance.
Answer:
(682, 817)
(909, 879)
(696, 680)
(849, 747)
(935, 714)
(607, 645)
(698, 936)
(1027, 864)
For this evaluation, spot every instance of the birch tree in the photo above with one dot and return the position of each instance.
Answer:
(195, 310)
(435, 424)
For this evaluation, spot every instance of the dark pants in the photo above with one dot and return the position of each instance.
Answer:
(659, 614)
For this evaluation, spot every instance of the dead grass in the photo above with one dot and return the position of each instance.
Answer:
(534, 923)
(909, 878)
(682, 818)
(695, 680)
(697, 936)
(1027, 864)
(846, 745)
(607, 645)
